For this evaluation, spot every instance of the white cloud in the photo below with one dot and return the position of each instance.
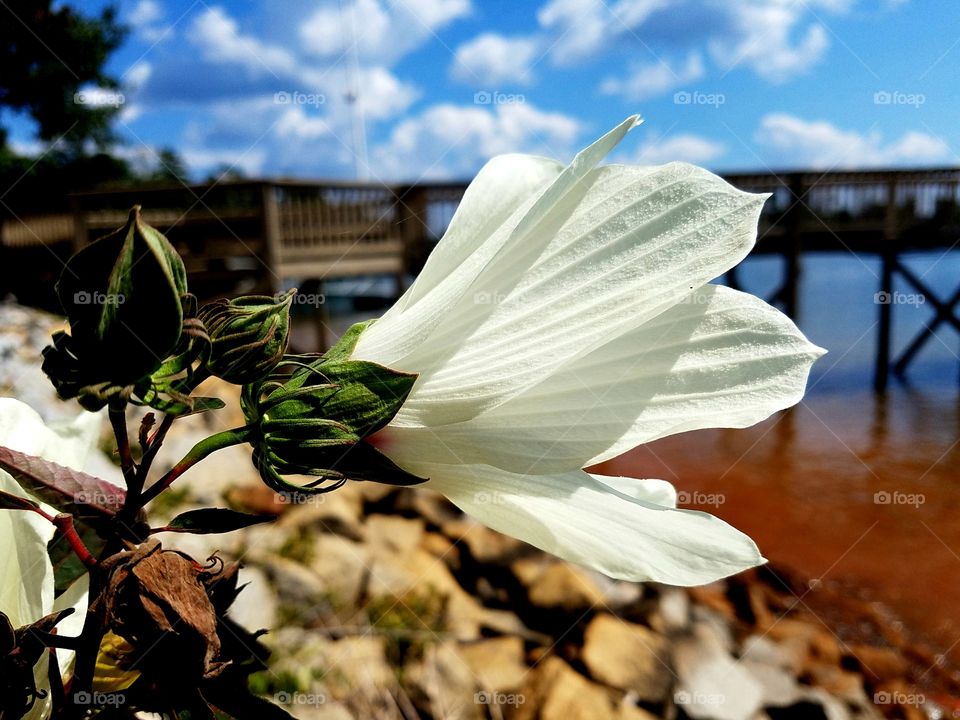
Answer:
(688, 148)
(763, 41)
(204, 160)
(454, 141)
(789, 140)
(491, 59)
(137, 75)
(775, 38)
(146, 19)
(218, 37)
(654, 79)
(577, 28)
(381, 31)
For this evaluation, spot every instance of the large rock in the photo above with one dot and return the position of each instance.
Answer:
(554, 585)
(555, 691)
(485, 545)
(443, 685)
(712, 684)
(629, 657)
(497, 664)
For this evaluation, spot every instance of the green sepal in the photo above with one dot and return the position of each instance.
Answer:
(248, 336)
(348, 341)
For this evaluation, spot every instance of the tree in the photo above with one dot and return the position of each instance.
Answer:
(47, 55)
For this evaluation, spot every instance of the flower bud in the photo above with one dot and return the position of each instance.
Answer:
(315, 421)
(248, 336)
(122, 297)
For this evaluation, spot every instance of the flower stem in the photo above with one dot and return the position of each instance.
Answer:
(118, 420)
(199, 451)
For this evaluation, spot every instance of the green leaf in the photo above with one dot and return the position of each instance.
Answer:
(214, 520)
(86, 497)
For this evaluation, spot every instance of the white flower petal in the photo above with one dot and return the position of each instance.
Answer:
(398, 334)
(504, 184)
(26, 575)
(588, 522)
(74, 597)
(657, 492)
(69, 444)
(617, 250)
(722, 359)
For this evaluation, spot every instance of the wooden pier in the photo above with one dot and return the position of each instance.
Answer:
(256, 236)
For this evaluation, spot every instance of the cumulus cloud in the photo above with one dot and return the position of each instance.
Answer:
(688, 148)
(649, 80)
(491, 59)
(218, 37)
(791, 141)
(777, 39)
(453, 141)
(763, 40)
(379, 30)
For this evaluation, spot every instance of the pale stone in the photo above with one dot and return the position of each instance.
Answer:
(628, 656)
(485, 545)
(444, 683)
(713, 685)
(498, 663)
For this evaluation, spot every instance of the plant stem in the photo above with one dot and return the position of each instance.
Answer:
(199, 451)
(118, 420)
(64, 523)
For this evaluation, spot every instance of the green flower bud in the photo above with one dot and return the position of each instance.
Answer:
(248, 336)
(314, 421)
(122, 297)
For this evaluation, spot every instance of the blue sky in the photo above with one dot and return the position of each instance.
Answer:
(441, 85)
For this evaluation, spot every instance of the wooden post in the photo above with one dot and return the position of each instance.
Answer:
(271, 237)
(80, 233)
(884, 296)
(792, 268)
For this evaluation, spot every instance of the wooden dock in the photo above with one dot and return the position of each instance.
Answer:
(258, 236)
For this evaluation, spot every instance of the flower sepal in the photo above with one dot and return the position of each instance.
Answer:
(316, 421)
(248, 336)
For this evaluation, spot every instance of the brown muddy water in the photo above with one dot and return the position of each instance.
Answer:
(847, 487)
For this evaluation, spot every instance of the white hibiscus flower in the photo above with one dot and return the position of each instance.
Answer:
(564, 318)
(26, 574)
